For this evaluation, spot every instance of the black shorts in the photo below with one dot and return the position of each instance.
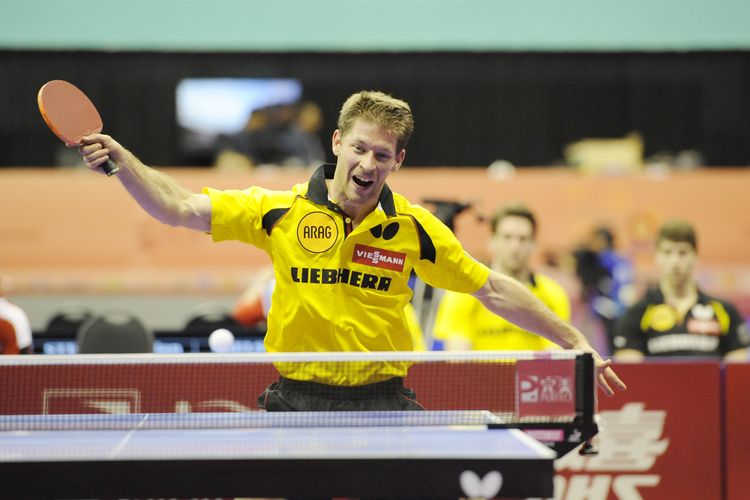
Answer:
(295, 395)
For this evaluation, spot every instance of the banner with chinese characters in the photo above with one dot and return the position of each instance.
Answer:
(661, 439)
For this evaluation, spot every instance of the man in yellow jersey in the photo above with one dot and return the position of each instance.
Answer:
(343, 246)
(463, 323)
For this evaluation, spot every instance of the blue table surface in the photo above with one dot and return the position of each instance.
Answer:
(263, 436)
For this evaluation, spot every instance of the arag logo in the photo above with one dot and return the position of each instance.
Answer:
(317, 232)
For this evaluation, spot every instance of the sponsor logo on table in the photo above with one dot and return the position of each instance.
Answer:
(474, 486)
(547, 435)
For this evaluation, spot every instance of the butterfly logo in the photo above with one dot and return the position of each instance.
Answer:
(386, 233)
(486, 487)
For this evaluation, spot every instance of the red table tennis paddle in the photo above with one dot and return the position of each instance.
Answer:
(70, 115)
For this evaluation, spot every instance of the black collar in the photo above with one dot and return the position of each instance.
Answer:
(532, 279)
(317, 190)
(656, 295)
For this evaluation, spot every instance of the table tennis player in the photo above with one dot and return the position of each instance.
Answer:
(343, 246)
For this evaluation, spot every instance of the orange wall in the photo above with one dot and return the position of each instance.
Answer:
(72, 224)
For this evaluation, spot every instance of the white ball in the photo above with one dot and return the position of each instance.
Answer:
(220, 340)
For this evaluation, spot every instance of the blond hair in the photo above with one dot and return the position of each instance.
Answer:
(381, 109)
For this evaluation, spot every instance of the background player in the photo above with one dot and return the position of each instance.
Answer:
(462, 322)
(676, 318)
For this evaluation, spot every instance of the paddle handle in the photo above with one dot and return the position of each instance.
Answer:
(110, 168)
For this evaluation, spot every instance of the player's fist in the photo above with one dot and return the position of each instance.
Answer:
(101, 153)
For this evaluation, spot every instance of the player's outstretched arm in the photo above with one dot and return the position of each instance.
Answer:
(159, 195)
(508, 298)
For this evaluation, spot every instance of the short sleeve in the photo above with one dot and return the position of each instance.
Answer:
(445, 263)
(238, 215)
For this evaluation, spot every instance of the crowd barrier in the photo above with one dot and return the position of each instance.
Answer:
(677, 432)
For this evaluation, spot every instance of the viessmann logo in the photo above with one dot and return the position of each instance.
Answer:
(377, 257)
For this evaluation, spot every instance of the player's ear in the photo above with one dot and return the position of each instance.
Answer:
(336, 142)
(399, 160)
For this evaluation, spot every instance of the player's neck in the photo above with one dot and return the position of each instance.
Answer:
(681, 295)
(523, 275)
(357, 211)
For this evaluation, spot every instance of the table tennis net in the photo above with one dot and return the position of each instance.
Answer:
(229, 390)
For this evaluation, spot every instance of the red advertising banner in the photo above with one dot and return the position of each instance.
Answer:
(737, 430)
(545, 389)
(661, 439)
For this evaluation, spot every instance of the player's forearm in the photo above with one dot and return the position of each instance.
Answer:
(161, 196)
(508, 298)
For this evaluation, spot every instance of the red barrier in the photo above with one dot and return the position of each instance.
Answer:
(659, 440)
(737, 430)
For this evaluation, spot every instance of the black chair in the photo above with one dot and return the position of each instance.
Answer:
(208, 318)
(66, 322)
(114, 331)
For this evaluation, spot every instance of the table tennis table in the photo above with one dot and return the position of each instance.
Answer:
(434, 454)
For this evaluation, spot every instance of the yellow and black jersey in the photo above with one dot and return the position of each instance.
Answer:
(462, 316)
(711, 328)
(340, 288)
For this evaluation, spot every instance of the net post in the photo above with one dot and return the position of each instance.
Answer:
(586, 395)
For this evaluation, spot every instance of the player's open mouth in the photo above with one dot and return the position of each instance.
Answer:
(361, 182)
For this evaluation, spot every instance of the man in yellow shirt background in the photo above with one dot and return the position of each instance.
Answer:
(463, 323)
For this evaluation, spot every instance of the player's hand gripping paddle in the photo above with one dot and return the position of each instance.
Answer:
(70, 115)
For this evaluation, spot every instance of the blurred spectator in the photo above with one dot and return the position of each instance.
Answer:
(15, 328)
(283, 135)
(462, 321)
(676, 318)
(606, 279)
(687, 159)
(310, 122)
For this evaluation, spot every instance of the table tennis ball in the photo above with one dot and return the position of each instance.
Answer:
(220, 340)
